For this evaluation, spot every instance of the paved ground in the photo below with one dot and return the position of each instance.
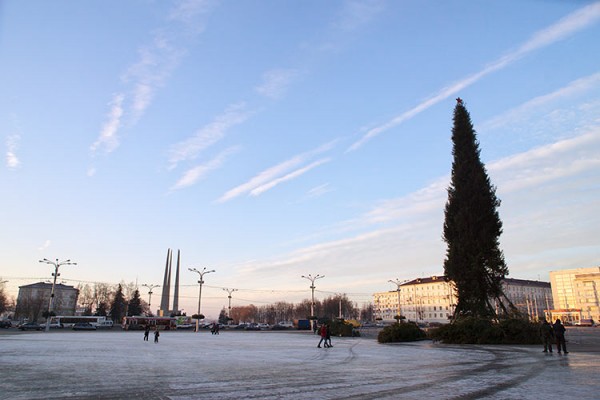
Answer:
(287, 365)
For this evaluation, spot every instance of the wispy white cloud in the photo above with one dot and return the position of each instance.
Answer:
(319, 191)
(12, 144)
(288, 177)
(264, 178)
(569, 25)
(193, 175)
(276, 81)
(208, 135)
(45, 245)
(577, 87)
(550, 162)
(108, 138)
(187, 11)
(155, 65)
(355, 14)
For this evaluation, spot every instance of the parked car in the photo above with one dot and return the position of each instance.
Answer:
(108, 324)
(252, 327)
(54, 325)
(31, 326)
(585, 322)
(5, 324)
(84, 326)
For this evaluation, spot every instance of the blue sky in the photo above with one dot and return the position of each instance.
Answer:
(271, 139)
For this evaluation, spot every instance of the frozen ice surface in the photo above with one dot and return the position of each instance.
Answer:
(281, 365)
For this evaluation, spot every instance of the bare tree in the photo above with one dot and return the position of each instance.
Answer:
(4, 300)
(30, 306)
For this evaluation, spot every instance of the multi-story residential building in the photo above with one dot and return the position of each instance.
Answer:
(575, 293)
(33, 300)
(428, 299)
(532, 298)
(432, 299)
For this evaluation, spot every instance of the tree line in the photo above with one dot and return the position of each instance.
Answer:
(329, 308)
(113, 302)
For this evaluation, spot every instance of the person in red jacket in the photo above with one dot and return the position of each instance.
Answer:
(323, 333)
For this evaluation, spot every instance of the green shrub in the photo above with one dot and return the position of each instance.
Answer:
(403, 332)
(481, 331)
(342, 328)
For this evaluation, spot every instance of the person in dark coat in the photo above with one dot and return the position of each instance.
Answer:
(328, 336)
(156, 335)
(547, 334)
(559, 334)
(146, 333)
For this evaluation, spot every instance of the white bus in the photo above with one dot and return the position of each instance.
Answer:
(67, 321)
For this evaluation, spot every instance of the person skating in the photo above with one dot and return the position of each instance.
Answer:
(323, 333)
(547, 334)
(156, 335)
(328, 336)
(146, 333)
(559, 334)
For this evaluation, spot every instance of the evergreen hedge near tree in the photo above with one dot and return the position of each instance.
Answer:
(403, 332)
(472, 227)
(471, 330)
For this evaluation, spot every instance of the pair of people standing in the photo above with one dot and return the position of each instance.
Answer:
(147, 333)
(551, 333)
(325, 336)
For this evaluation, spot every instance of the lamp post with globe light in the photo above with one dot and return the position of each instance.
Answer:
(398, 283)
(200, 282)
(312, 280)
(150, 287)
(229, 291)
(55, 274)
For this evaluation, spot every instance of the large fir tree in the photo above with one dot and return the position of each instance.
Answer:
(118, 306)
(135, 304)
(472, 227)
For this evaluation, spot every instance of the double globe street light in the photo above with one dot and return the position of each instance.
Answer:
(55, 274)
(200, 282)
(150, 287)
(312, 280)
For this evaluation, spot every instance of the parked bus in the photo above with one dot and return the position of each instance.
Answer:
(67, 321)
(140, 323)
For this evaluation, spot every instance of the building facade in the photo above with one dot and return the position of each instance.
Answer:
(433, 300)
(424, 300)
(576, 296)
(33, 300)
(532, 298)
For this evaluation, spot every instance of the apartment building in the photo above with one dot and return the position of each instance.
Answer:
(433, 299)
(575, 293)
(33, 300)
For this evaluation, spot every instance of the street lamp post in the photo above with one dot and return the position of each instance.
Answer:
(229, 291)
(200, 282)
(150, 287)
(398, 283)
(312, 280)
(55, 274)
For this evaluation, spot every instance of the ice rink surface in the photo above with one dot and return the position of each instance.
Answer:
(286, 365)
